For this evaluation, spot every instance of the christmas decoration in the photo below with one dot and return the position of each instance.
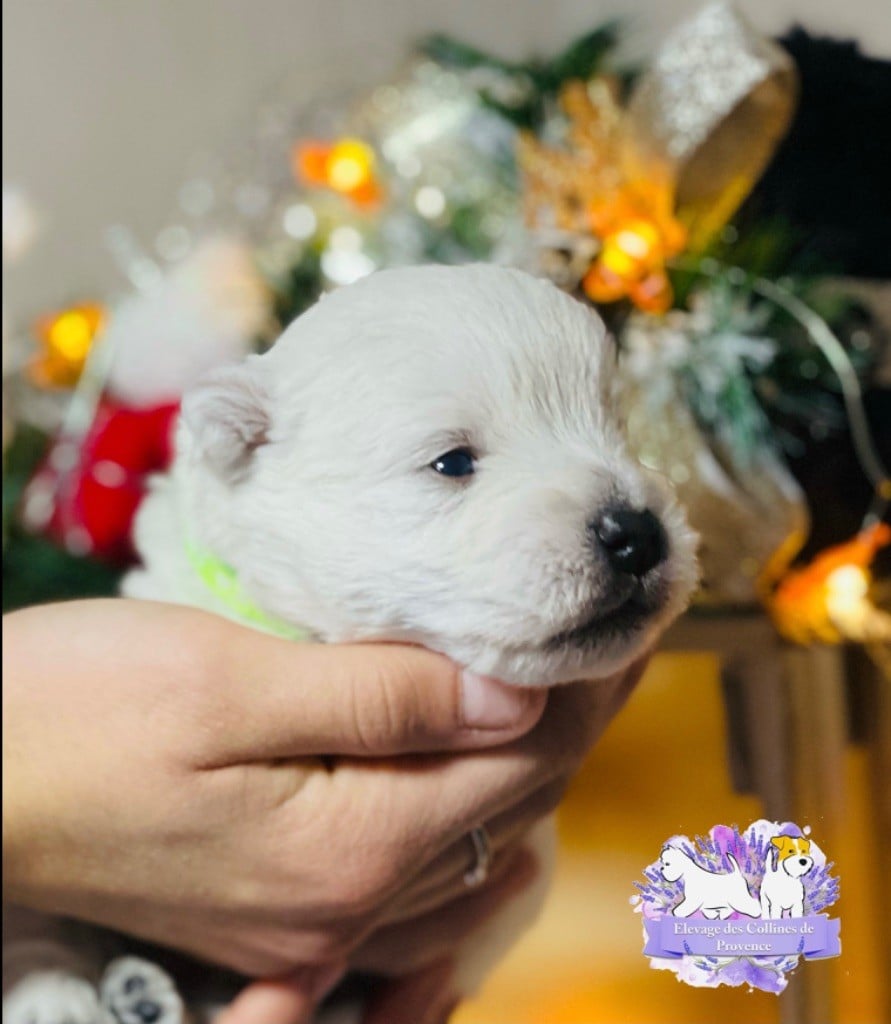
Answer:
(86, 492)
(829, 599)
(209, 308)
(692, 413)
(623, 187)
(66, 338)
(347, 167)
(586, 191)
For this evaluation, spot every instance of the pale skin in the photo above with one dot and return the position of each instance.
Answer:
(224, 773)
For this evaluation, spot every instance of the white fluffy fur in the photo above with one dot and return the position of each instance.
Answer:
(307, 470)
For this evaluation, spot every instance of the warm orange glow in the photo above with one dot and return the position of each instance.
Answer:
(603, 285)
(828, 600)
(587, 188)
(652, 293)
(639, 239)
(66, 338)
(346, 166)
(631, 262)
(615, 258)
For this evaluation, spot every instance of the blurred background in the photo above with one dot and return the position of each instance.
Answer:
(181, 179)
(104, 103)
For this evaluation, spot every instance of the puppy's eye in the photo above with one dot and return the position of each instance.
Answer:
(457, 462)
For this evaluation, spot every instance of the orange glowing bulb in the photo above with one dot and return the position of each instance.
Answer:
(639, 240)
(66, 337)
(616, 260)
(346, 166)
(310, 160)
(825, 599)
(350, 165)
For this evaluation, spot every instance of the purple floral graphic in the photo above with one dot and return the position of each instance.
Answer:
(751, 850)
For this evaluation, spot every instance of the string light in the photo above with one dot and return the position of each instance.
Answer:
(829, 599)
(430, 202)
(300, 221)
(66, 338)
(347, 166)
(587, 190)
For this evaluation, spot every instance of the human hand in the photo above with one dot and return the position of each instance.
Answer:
(573, 721)
(418, 934)
(187, 752)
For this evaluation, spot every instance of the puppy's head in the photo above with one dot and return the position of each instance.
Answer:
(793, 853)
(672, 863)
(432, 455)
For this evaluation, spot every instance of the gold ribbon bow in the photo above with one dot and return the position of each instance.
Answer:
(708, 114)
(666, 171)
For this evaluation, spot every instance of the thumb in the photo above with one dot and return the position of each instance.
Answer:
(287, 1000)
(278, 699)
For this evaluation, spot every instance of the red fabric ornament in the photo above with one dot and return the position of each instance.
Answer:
(86, 492)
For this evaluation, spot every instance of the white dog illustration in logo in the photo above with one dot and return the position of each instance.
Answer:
(782, 889)
(716, 895)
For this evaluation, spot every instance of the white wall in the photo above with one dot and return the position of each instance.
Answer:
(105, 101)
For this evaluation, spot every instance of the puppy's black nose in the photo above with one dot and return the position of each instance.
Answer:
(633, 542)
(803, 862)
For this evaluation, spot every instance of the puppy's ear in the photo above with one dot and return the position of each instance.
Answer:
(227, 416)
(779, 842)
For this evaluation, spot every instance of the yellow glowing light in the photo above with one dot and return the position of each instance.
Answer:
(617, 260)
(829, 599)
(66, 338)
(631, 261)
(349, 166)
(640, 240)
(71, 335)
(847, 585)
(345, 174)
(346, 166)
(588, 189)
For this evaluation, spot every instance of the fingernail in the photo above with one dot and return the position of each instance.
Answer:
(489, 704)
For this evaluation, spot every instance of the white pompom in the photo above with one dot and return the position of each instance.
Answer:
(206, 312)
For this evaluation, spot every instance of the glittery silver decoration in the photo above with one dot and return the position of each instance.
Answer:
(709, 111)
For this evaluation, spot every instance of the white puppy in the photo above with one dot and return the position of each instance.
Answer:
(716, 894)
(430, 455)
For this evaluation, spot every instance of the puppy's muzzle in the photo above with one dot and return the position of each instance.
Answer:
(633, 542)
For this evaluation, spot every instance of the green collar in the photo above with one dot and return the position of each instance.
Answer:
(222, 581)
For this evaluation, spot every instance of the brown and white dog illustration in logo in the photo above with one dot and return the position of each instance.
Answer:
(782, 891)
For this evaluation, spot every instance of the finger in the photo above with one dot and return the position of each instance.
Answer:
(277, 699)
(424, 997)
(447, 892)
(435, 936)
(440, 799)
(285, 1000)
(270, 1002)
(442, 880)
